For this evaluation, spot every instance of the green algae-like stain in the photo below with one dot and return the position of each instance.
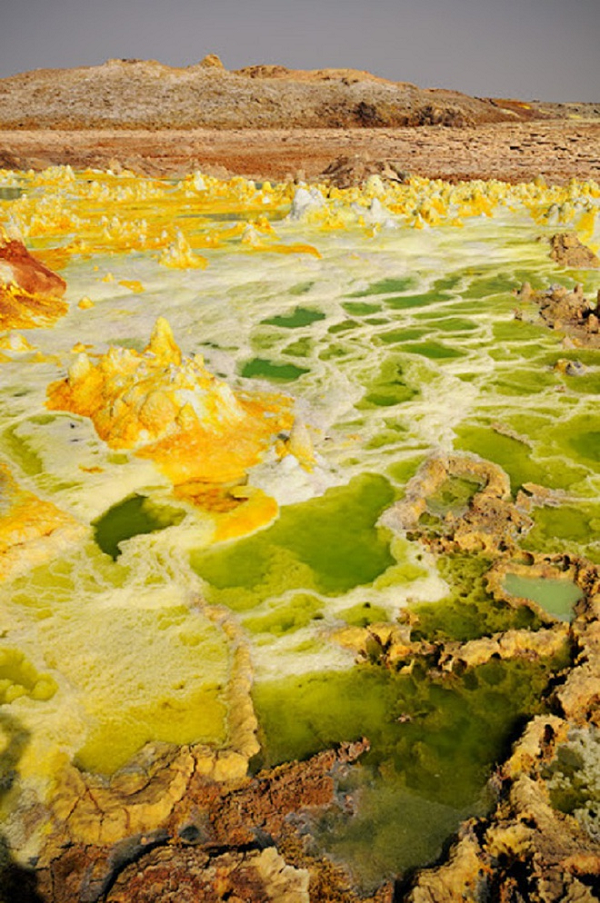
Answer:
(18, 448)
(265, 340)
(433, 350)
(386, 399)
(555, 528)
(262, 368)
(377, 321)
(434, 739)
(520, 381)
(587, 444)
(454, 324)
(586, 384)
(397, 336)
(343, 326)
(491, 285)
(515, 458)
(329, 545)
(360, 308)
(453, 495)
(301, 288)
(390, 436)
(468, 611)
(404, 470)
(447, 283)
(195, 717)
(407, 302)
(334, 352)
(136, 515)
(363, 614)
(390, 387)
(302, 348)
(386, 287)
(555, 596)
(301, 316)
(287, 617)
(518, 331)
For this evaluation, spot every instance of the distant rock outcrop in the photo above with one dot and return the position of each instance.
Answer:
(131, 93)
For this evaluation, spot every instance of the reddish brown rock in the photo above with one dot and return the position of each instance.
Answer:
(30, 293)
(345, 171)
(27, 272)
(558, 150)
(162, 826)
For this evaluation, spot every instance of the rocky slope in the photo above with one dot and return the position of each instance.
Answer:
(148, 94)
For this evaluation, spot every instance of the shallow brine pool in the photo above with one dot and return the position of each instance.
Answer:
(364, 330)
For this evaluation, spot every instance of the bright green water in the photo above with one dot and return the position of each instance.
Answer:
(468, 611)
(329, 545)
(433, 741)
(132, 517)
(557, 597)
(302, 316)
(386, 286)
(265, 369)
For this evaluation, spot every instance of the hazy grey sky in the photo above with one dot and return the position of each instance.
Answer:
(536, 49)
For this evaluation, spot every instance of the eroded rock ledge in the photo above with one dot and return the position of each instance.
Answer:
(567, 311)
(542, 841)
(199, 838)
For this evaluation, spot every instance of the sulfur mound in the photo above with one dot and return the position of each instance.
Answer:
(30, 293)
(173, 410)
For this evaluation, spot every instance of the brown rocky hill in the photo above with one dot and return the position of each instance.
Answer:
(135, 94)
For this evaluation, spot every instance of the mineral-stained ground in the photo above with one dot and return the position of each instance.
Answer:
(299, 493)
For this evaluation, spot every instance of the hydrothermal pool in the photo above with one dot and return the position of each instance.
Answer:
(363, 330)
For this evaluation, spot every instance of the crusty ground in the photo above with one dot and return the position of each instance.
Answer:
(557, 149)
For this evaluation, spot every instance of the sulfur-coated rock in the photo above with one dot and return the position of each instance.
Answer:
(491, 523)
(171, 409)
(187, 875)
(568, 311)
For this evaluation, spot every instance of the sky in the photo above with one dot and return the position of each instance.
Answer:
(528, 49)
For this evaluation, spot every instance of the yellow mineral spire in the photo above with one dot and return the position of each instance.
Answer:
(163, 345)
